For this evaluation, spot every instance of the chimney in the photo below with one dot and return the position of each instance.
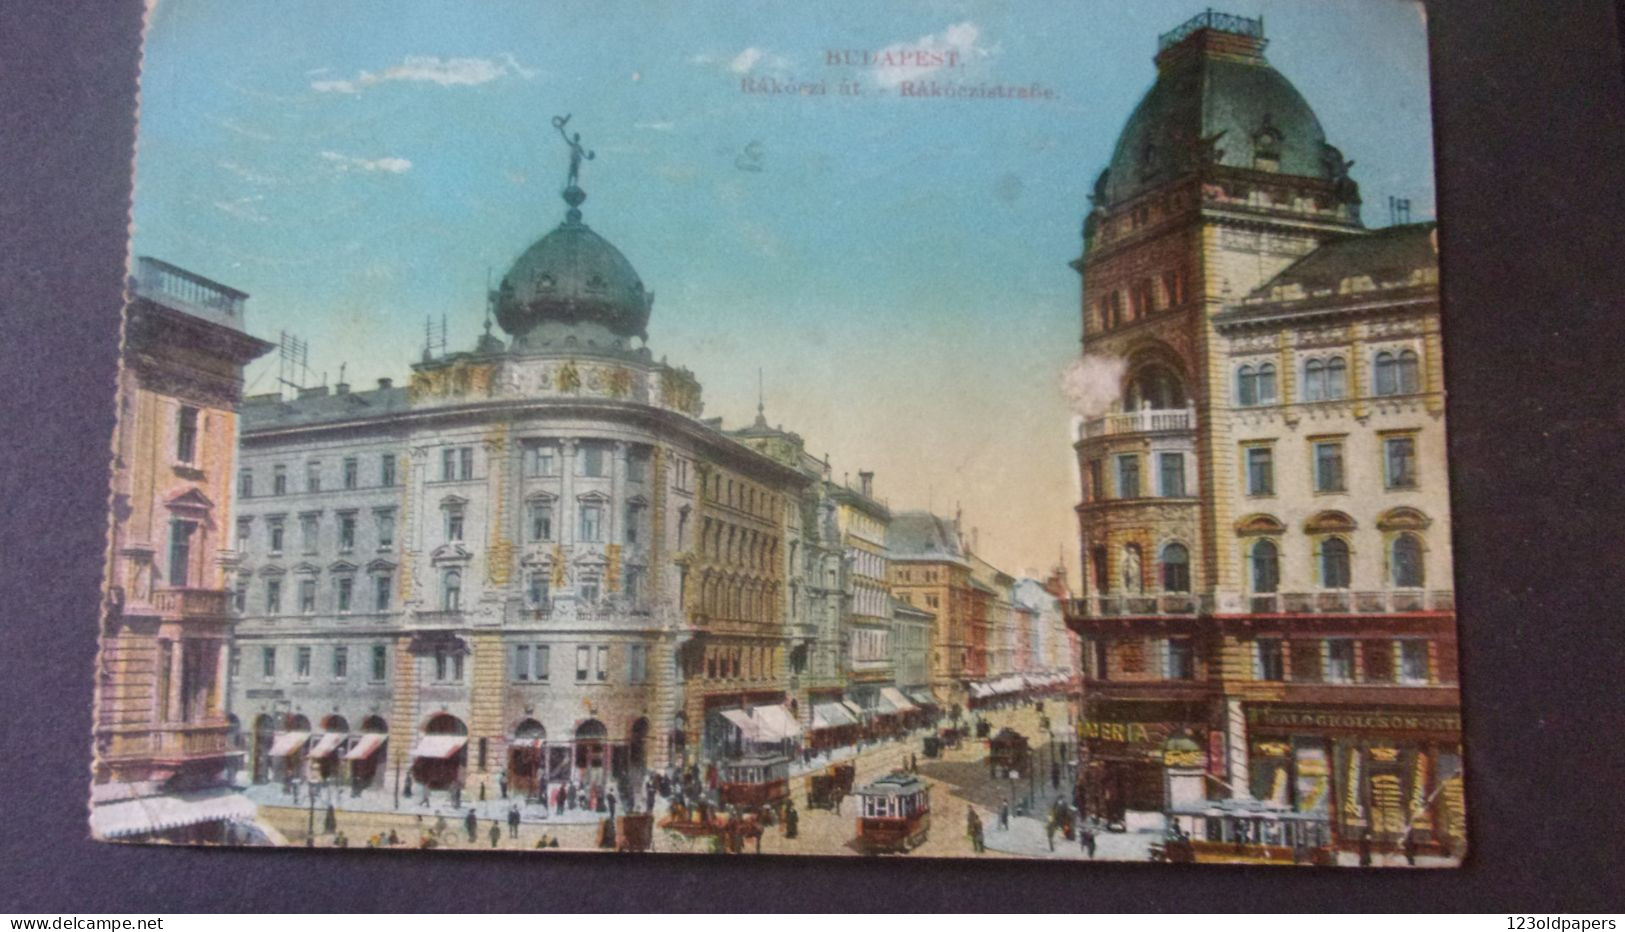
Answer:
(341, 388)
(385, 383)
(866, 482)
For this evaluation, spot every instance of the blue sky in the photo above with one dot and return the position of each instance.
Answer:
(896, 266)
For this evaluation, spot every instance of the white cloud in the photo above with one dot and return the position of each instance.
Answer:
(660, 126)
(248, 174)
(242, 208)
(446, 72)
(393, 164)
(960, 39)
(745, 61)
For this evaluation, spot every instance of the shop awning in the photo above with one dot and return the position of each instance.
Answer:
(921, 697)
(146, 814)
(890, 696)
(328, 743)
(365, 746)
(832, 715)
(853, 710)
(289, 742)
(980, 690)
(741, 720)
(439, 747)
(775, 723)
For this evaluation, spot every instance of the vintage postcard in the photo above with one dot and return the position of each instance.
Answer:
(1036, 449)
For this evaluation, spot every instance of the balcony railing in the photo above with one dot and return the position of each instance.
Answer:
(1330, 602)
(175, 287)
(1143, 421)
(1218, 22)
(439, 618)
(192, 603)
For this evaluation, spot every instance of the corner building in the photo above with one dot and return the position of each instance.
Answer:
(533, 558)
(1267, 609)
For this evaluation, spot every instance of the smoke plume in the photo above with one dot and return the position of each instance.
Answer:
(1092, 383)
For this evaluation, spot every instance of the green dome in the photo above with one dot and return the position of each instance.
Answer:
(1216, 101)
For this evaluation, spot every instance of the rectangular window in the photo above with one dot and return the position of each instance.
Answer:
(592, 522)
(385, 519)
(301, 663)
(346, 531)
(592, 461)
(637, 468)
(1173, 474)
(589, 589)
(346, 588)
(541, 520)
(542, 460)
(603, 664)
(1097, 481)
(1267, 663)
(1260, 471)
(1181, 659)
(583, 663)
(313, 476)
(268, 662)
(275, 529)
(239, 599)
(1305, 661)
(448, 463)
(341, 662)
(634, 517)
(1377, 661)
(279, 480)
(245, 483)
(351, 471)
(380, 663)
(536, 589)
(180, 551)
(632, 585)
(1328, 467)
(543, 663)
(244, 526)
(465, 463)
(1413, 661)
(234, 662)
(1128, 476)
(1400, 471)
(186, 435)
(380, 592)
(1339, 660)
(273, 596)
(386, 470)
(454, 524)
(521, 663)
(308, 530)
(307, 596)
(638, 664)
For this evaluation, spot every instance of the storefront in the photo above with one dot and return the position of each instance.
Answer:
(1384, 771)
(1128, 750)
(441, 753)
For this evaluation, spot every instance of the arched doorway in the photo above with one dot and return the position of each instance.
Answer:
(592, 752)
(525, 758)
(442, 751)
(330, 747)
(367, 754)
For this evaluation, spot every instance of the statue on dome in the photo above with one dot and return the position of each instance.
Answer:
(576, 149)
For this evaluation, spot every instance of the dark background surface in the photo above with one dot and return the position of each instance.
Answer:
(1530, 124)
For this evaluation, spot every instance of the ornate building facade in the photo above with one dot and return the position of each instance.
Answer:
(162, 756)
(1267, 607)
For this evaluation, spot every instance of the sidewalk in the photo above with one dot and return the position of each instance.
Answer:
(383, 801)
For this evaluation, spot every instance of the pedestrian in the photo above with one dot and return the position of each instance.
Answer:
(1365, 848)
(541, 790)
(471, 822)
(611, 799)
(495, 833)
(341, 840)
(425, 803)
(457, 795)
(513, 821)
(558, 800)
(1055, 775)
(1004, 815)
(1410, 846)
(394, 839)
(1086, 840)
(792, 822)
(482, 789)
(649, 797)
(1049, 832)
(330, 821)
(408, 784)
(502, 784)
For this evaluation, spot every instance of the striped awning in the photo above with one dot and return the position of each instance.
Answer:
(775, 723)
(890, 696)
(439, 747)
(289, 742)
(741, 720)
(832, 715)
(327, 744)
(148, 814)
(365, 746)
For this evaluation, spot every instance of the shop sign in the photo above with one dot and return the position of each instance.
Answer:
(1183, 758)
(1274, 716)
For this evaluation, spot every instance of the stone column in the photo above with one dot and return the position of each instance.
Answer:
(617, 493)
(567, 492)
(217, 683)
(177, 697)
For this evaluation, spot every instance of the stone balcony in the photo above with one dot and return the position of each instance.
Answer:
(1144, 421)
(1330, 602)
(192, 603)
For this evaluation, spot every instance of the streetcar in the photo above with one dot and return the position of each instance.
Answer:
(756, 782)
(894, 814)
(1247, 831)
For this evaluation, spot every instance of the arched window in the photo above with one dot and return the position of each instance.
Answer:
(1336, 378)
(451, 591)
(1154, 386)
(1246, 387)
(1410, 381)
(1314, 380)
(1266, 384)
(1387, 374)
(1176, 568)
(1334, 563)
(1266, 566)
(1097, 560)
(1407, 561)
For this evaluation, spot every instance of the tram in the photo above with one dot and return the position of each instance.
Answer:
(894, 814)
(756, 782)
(1247, 831)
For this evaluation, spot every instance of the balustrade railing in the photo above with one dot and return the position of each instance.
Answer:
(1143, 421)
(1326, 602)
(191, 602)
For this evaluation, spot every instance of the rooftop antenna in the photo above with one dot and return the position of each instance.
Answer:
(293, 361)
(1399, 210)
(433, 343)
